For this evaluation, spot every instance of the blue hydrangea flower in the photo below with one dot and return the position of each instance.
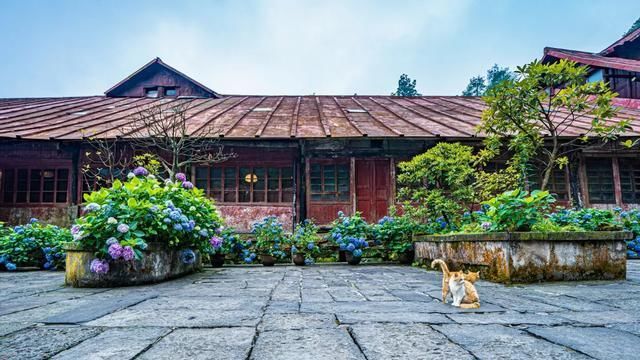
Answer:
(188, 256)
(33, 221)
(310, 246)
(351, 247)
(357, 253)
(308, 261)
(166, 220)
(177, 227)
(10, 266)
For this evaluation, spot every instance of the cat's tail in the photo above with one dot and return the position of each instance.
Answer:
(474, 305)
(443, 266)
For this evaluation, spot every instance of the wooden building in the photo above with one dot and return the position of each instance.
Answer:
(297, 156)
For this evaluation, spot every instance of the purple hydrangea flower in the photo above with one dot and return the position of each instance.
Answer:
(115, 251)
(486, 225)
(181, 177)
(123, 228)
(216, 242)
(99, 266)
(187, 185)
(112, 240)
(75, 229)
(140, 171)
(128, 254)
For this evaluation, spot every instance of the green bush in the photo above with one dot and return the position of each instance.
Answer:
(395, 234)
(305, 241)
(119, 221)
(270, 237)
(33, 244)
(516, 210)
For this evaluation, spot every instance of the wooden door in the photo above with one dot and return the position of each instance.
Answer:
(373, 188)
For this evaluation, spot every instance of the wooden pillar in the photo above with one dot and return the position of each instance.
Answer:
(352, 184)
(617, 187)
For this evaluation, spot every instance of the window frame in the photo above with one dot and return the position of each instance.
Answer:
(634, 184)
(335, 163)
(587, 181)
(55, 166)
(282, 201)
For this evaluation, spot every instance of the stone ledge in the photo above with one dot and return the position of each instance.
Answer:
(529, 236)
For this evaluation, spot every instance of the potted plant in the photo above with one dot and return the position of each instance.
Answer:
(223, 242)
(304, 245)
(350, 234)
(270, 240)
(141, 230)
(395, 235)
(33, 245)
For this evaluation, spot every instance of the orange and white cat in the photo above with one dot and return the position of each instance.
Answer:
(463, 291)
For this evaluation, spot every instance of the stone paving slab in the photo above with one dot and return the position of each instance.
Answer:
(206, 344)
(306, 344)
(601, 343)
(401, 341)
(502, 342)
(335, 312)
(119, 343)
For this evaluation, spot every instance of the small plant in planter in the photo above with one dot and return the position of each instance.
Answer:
(225, 241)
(350, 234)
(304, 247)
(395, 234)
(33, 244)
(516, 210)
(120, 221)
(270, 240)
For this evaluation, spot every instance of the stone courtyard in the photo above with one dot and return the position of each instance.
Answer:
(319, 312)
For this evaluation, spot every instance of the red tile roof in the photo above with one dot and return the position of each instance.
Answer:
(628, 37)
(271, 117)
(591, 59)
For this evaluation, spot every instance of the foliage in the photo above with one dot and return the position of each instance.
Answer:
(350, 233)
(547, 99)
(490, 184)
(478, 86)
(270, 237)
(587, 219)
(395, 233)
(438, 183)
(305, 241)
(33, 244)
(635, 26)
(119, 221)
(517, 210)
(406, 87)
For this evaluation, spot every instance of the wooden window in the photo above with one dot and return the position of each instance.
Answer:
(34, 186)
(151, 92)
(557, 183)
(600, 180)
(630, 180)
(170, 91)
(329, 182)
(246, 184)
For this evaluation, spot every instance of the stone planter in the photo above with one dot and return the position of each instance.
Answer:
(268, 260)
(217, 260)
(527, 257)
(298, 259)
(352, 260)
(158, 264)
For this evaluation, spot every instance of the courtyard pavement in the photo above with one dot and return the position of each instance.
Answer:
(318, 312)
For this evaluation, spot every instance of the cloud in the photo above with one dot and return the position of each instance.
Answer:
(294, 47)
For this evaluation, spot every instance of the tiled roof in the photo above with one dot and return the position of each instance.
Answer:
(250, 117)
(623, 40)
(594, 60)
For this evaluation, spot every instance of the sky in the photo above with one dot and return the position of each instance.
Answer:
(280, 47)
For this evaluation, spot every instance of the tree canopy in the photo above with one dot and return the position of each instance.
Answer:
(543, 103)
(406, 87)
(479, 85)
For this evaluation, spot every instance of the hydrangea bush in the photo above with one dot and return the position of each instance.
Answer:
(395, 234)
(304, 241)
(118, 222)
(270, 237)
(33, 244)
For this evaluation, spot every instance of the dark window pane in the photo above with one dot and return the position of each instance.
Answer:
(230, 184)
(8, 185)
(246, 178)
(600, 180)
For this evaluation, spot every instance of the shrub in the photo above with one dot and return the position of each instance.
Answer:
(270, 237)
(33, 244)
(353, 225)
(587, 219)
(516, 210)
(304, 241)
(119, 221)
(395, 234)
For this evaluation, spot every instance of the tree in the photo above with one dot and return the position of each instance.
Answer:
(634, 27)
(406, 87)
(542, 104)
(476, 87)
(479, 86)
(164, 130)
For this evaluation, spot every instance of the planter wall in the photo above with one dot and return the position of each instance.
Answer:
(158, 264)
(531, 257)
